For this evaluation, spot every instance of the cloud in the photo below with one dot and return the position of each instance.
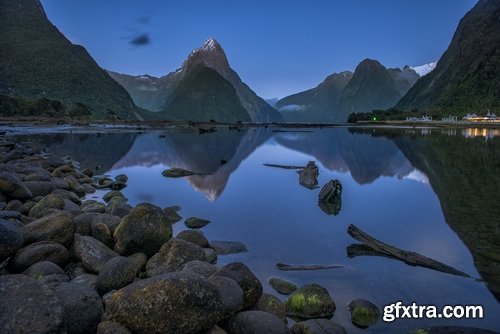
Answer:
(140, 40)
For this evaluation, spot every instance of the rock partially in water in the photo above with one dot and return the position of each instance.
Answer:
(310, 301)
(172, 303)
(282, 286)
(317, 326)
(228, 247)
(171, 214)
(195, 222)
(256, 322)
(172, 256)
(111, 194)
(308, 177)
(271, 304)
(121, 178)
(111, 327)
(93, 206)
(249, 283)
(82, 307)
(57, 226)
(11, 238)
(92, 253)
(194, 236)
(231, 293)
(43, 268)
(363, 313)
(11, 186)
(144, 230)
(115, 274)
(330, 197)
(177, 172)
(27, 306)
(38, 252)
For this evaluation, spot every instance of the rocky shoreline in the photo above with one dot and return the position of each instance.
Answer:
(73, 265)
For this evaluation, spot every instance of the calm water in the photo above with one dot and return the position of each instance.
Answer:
(431, 191)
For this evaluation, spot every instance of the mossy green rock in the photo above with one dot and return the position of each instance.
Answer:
(58, 226)
(363, 313)
(282, 286)
(110, 194)
(317, 326)
(271, 304)
(121, 178)
(51, 201)
(310, 301)
(144, 230)
(195, 222)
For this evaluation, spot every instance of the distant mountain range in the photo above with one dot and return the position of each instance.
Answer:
(467, 77)
(37, 61)
(204, 88)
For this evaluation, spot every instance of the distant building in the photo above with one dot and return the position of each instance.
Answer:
(490, 117)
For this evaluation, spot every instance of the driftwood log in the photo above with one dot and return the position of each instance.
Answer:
(284, 166)
(291, 267)
(372, 246)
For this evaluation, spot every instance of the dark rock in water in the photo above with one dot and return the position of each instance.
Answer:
(171, 214)
(144, 230)
(82, 307)
(256, 322)
(200, 267)
(51, 201)
(282, 286)
(363, 313)
(231, 293)
(330, 197)
(452, 330)
(117, 185)
(43, 268)
(111, 327)
(170, 304)
(115, 274)
(177, 172)
(92, 253)
(210, 255)
(27, 306)
(83, 223)
(271, 304)
(228, 247)
(249, 283)
(317, 326)
(57, 226)
(113, 193)
(172, 255)
(121, 178)
(310, 301)
(38, 252)
(11, 238)
(195, 222)
(11, 186)
(308, 177)
(194, 236)
(87, 280)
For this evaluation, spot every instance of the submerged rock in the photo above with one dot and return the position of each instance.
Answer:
(282, 286)
(171, 214)
(308, 177)
(330, 197)
(144, 230)
(27, 306)
(363, 313)
(195, 222)
(172, 303)
(228, 247)
(317, 326)
(310, 301)
(256, 322)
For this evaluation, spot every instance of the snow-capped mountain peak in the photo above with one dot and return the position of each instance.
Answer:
(211, 44)
(424, 69)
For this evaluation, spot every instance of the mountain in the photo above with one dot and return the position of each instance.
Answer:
(37, 61)
(158, 94)
(467, 77)
(404, 78)
(424, 69)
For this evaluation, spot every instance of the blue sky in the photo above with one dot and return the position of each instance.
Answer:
(277, 47)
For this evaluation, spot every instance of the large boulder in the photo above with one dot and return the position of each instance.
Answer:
(317, 326)
(51, 201)
(194, 236)
(144, 230)
(11, 186)
(271, 304)
(330, 197)
(200, 267)
(27, 306)
(310, 301)
(282, 286)
(92, 253)
(256, 322)
(115, 274)
(171, 303)
(82, 307)
(38, 252)
(11, 238)
(41, 187)
(83, 222)
(57, 226)
(249, 283)
(44, 268)
(231, 293)
(172, 256)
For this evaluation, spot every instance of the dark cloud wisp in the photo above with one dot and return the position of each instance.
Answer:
(141, 40)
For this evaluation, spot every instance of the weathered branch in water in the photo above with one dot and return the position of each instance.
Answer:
(285, 166)
(409, 257)
(290, 267)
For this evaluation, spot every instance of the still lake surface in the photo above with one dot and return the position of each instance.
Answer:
(433, 191)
